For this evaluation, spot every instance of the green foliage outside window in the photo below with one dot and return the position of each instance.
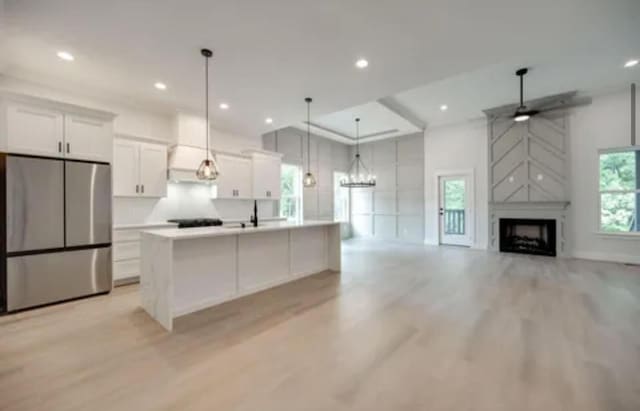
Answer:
(619, 191)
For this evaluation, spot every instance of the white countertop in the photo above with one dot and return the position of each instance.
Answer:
(198, 232)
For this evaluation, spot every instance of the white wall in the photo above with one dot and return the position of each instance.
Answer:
(458, 147)
(603, 124)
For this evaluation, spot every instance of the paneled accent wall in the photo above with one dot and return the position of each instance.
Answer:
(529, 160)
(394, 209)
(327, 156)
(529, 172)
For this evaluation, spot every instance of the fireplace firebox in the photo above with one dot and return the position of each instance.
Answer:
(528, 236)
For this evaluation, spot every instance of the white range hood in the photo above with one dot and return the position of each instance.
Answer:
(188, 153)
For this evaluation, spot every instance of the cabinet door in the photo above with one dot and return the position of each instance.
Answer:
(126, 157)
(225, 183)
(235, 177)
(34, 131)
(87, 138)
(266, 177)
(273, 178)
(153, 170)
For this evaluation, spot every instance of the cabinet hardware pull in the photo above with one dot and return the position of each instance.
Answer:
(142, 189)
(59, 146)
(68, 147)
(137, 188)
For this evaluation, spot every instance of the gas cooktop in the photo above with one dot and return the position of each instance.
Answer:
(196, 222)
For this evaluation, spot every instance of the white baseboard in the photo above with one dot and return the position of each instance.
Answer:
(616, 258)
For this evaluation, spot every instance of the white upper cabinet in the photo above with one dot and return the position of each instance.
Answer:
(30, 125)
(235, 177)
(125, 168)
(34, 131)
(153, 170)
(139, 169)
(87, 138)
(266, 175)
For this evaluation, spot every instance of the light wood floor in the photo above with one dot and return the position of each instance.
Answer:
(402, 328)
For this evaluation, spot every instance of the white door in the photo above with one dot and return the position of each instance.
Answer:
(87, 138)
(153, 170)
(35, 131)
(125, 168)
(454, 210)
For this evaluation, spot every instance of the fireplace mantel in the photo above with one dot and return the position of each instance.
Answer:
(531, 205)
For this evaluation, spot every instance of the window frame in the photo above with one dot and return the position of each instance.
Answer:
(298, 196)
(600, 192)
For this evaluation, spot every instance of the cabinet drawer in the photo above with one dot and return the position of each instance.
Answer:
(126, 269)
(120, 236)
(126, 251)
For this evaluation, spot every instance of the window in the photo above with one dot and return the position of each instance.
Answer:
(340, 198)
(620, 190)
(291, 192)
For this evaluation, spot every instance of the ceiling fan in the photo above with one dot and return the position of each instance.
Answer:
(522, 112)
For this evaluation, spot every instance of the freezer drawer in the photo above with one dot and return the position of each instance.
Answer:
(88, 203)
(35, 204)
(45, 278)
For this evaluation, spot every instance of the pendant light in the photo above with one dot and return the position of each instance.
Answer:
(309, 180)
(359, 175)
(208, 170)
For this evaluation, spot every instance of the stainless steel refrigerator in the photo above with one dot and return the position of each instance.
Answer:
(57, 230)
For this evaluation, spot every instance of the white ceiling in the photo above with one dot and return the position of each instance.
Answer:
(269, 55)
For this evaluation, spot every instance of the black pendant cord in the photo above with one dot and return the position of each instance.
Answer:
(521, 91)
(357, 148)
(206, 93)
(308, 100)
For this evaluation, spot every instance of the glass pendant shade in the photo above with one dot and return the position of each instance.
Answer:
(208, 170)
(309, 180)
(359, 175)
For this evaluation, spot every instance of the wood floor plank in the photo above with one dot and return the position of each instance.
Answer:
(403, 327)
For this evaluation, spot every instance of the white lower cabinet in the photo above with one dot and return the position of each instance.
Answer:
(126, 252)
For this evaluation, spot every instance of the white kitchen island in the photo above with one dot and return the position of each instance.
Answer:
(186, 270)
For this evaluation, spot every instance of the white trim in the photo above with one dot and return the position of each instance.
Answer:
(619, 236)
(471, 196)
(616, 258)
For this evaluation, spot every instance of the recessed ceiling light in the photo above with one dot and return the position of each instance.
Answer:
(224, 106)
(631, 63)
(268, 120)
(444, 107)
(160, 86)
(65, 55)
(362, 63)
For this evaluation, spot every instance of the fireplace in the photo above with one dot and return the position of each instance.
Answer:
(528, 236)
